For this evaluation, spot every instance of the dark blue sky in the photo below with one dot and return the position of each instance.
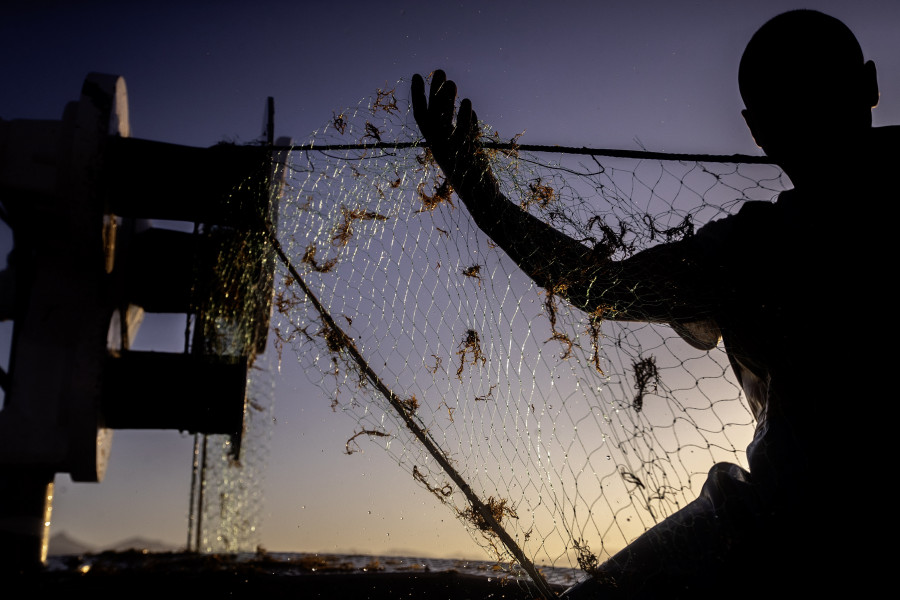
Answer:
(607, 74)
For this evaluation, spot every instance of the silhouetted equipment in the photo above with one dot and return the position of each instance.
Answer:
(79, 195)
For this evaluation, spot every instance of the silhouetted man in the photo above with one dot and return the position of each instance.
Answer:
(798, 292)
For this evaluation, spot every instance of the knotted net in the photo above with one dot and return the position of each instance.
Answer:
(574, 433)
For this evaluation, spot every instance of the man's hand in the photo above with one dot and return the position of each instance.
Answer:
(454, 146)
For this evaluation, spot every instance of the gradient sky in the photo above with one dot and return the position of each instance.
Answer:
(657, 74)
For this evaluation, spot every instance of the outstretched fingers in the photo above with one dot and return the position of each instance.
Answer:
(455, 147)
(466, 132)
(435, 117)
(420, 107)
(442, 105)
(438, 78)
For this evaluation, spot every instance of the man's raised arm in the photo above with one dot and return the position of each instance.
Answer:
(642, 288)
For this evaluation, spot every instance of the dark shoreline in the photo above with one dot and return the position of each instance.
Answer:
(148, 575)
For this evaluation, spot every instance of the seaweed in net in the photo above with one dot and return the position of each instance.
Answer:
(471, 343)
(538, 193)
(442, 193)
(410, 405)
(486, 397)
(473, 272)
(386, 101)
(309, 257)
(550, 306)
(646, 380)
(498, 508)
(372, 132)
(612, 241)
(442, 493)
(369, 432)
(683, 230)
(345, 229)
(335, 339)
(339, 122)
(595, 319)
(587, 560)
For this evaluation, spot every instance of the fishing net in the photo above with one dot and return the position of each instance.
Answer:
(226, 503)
(231, 321)
(572, 432)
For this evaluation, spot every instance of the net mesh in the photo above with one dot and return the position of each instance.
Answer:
(226, 504)
(231, 320)
(576, 432)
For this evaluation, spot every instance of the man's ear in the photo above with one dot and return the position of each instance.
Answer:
(870, 81)
(748, 119)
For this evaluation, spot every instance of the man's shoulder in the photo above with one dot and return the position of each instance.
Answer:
(888, 134)
(886, 147)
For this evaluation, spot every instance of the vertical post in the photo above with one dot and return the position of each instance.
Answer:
(270, 121)
(193, 512)
(201, 488)
(26, 499)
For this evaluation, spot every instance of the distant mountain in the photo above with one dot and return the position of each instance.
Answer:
(62, 543)
(139, 543)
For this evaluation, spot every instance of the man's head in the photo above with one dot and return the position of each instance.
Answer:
(806, 88)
